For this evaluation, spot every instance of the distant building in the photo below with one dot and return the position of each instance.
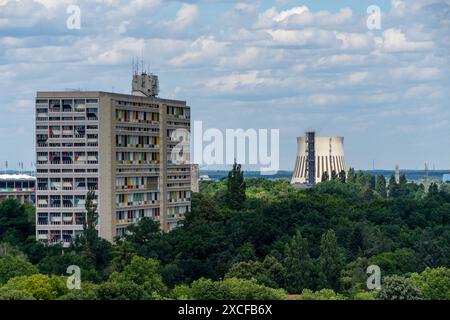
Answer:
(446, 178)
(195, 178)
(17, 186)
(205, 177)
(317, 155)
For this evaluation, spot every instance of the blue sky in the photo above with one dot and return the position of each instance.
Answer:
(291, 65)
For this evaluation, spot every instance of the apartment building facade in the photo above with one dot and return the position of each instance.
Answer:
(116, 144)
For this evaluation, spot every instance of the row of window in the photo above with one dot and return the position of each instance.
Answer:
(137, 141)
(67, 183)
(67, 170)
(137, 199)
(127, 183)
(58, 218)
(65, 201)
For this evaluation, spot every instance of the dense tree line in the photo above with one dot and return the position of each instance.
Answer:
(251, 239)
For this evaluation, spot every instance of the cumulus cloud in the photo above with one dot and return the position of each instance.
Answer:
(186, 16)
(394, 40)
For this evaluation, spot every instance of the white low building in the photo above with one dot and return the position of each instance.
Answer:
(17, 186)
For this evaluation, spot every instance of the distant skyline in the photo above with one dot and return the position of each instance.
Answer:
(282, 64)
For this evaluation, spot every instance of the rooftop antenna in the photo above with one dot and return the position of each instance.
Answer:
(142, 60)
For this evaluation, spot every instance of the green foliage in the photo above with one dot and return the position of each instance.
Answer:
(331, 261)
(298, 267)
(398, 288)
(228, 289)
(15, 226)
(267, 273)
(342, 176)
(433, 283)
(14, 266)
(12, 294)
(400, 261)
(324, 294)
(143, 232)
(337, 228)
(364, 295)
(42, 287)
(235, 195)
(88, 291)
(351, 176)
(353, 276)
(143, 272)
(380, 186)
(120, 291)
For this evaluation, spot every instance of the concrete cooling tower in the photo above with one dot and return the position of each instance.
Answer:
(317, 155)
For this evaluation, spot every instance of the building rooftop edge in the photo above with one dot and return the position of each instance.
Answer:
(63, 93)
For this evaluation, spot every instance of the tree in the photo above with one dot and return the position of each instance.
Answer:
(324, 294)
(235, 194)
(145, 273)
(266, 273)
(342, 176)
(356, 243)
(395, 262)
(227, 289)
(89, 238)
(90, 219)
(11, 294)
(331, 261)
(325, 176)
(354, 277)
(143, 232)
(88, 291)
(398, 288)
(393, 188)
(334, 175)
(351, 176)
(14, 266)
(42, 287)
(120, 291)
(14, 224)
(433, 283)
(380, 186)
(433, 190)
(123, 253)
(94, 250)
(297, 264)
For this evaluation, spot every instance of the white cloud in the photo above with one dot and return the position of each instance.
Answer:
(201, 51)
(394, 40)
(415, 73)
(186, 16)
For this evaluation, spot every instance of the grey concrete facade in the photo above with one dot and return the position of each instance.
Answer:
(116, 144)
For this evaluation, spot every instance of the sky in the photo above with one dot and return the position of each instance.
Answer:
(281, 64)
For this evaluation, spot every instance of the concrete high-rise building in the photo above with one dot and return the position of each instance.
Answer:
(116, 144)
(195, 178)
(317, 155)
